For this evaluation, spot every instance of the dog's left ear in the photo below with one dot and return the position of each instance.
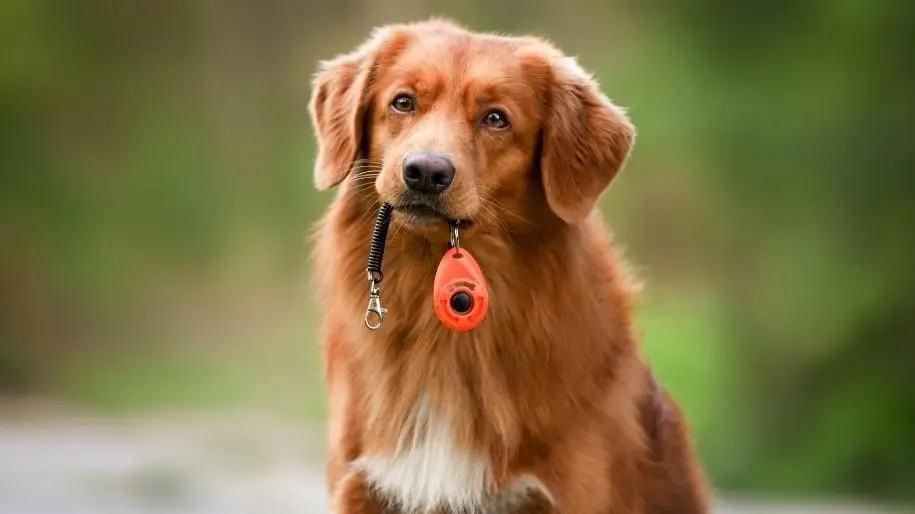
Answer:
(340, 101)
(586, 141)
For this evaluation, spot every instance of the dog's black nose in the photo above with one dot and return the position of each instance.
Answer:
(427, 172)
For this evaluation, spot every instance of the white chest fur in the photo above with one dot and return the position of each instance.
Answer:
(429, 470)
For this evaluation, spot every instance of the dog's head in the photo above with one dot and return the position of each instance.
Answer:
(445, 124)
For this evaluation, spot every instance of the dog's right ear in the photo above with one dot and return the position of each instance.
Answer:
(338, 106)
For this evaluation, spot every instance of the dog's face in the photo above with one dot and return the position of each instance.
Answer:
(448, 125)
(454, 122)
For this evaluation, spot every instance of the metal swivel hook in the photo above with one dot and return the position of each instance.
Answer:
(374, 313)
(455, 236)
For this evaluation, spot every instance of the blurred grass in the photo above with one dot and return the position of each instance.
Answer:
(182, 380)
(687, 346)
(254, 350)
(142, 382)
(156, 191)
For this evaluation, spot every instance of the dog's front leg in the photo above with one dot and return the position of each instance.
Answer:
(353, 496)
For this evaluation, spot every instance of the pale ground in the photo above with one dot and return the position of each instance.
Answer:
(206, 464)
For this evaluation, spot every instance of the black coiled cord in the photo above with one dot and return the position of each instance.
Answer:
(379, 237)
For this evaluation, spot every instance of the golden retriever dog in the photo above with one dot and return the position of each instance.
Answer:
(548, 405)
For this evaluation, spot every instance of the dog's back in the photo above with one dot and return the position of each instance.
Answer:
(672, 481)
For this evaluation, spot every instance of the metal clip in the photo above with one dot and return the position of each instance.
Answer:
(455, 237)
(374, 311)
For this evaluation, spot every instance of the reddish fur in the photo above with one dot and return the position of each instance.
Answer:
(553, 382)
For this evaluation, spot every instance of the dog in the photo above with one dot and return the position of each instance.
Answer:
(547, 406)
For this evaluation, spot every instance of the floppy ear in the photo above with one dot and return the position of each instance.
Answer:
(586, 141)
(339, 102)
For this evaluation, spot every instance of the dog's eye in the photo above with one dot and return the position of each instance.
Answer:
(496, 120)
(403, 103)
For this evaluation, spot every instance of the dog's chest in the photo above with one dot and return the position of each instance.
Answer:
(429, 470)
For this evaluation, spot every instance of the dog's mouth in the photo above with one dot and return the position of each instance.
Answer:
(420, 211)
(422, 214)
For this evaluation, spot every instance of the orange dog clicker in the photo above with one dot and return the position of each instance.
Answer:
(460, 294)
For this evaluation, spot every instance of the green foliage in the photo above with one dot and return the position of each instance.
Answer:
(156, 197)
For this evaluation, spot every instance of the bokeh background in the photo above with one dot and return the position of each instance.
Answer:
(156, 195)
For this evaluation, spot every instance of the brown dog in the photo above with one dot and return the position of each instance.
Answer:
(548, 406)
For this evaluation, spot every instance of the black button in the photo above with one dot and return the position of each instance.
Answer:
(461, 303)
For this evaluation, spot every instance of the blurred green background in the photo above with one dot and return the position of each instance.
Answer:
(156, 194)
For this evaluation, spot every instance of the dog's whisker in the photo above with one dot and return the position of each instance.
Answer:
(492, 208)
(518, 217)
(376, 204)
(363, 174)
(372, 211)
(359, 181)
(488, 209)
(364, 171)
(364, 168)
(363, 189)
(488, 187)
(365, 164)
(363, 177)
(362, 180)
(486, 200)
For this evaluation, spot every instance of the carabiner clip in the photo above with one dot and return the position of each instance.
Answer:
(455, 236)
(374, 312)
